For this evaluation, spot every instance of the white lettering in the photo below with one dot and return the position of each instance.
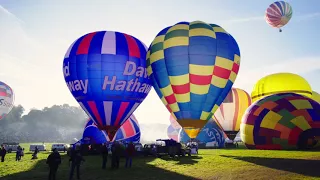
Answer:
(66, 70)
(106, 82)
(78, 85)
(128, 65)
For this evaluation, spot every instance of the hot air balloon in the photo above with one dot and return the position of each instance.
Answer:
(193, 67)
(278, 14)
(106, 73)
(280, 83)
(174, 123)
(281, 121)
(92, 135)
(211, 134)
(315, 96)
(173, 133)
(230, 112)
(129, 132)
(6, 99)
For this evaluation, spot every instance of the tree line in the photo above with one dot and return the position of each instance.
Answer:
(59, 123)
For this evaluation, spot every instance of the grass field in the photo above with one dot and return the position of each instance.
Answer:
(209, 164)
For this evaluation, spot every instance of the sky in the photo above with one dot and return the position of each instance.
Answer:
(35, 35)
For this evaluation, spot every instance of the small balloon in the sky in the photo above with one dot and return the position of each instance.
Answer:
(278, 14)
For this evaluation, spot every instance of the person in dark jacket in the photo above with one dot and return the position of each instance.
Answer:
(18, 153)
(113, 156)
(104, 152)
(116, 152)
(129, 154)
(53, 160)
(3, 153)
(76, 159)
(35, 153)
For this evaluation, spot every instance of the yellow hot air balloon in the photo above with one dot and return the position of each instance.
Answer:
(193, 66)
(281, 83)
(315, 96)
(230, 112)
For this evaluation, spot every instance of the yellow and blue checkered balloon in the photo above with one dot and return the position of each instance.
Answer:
(193, 66)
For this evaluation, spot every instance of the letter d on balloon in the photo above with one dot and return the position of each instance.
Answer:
(127, 68)
(66, 70)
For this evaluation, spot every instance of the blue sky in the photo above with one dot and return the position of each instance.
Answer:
(36, 34)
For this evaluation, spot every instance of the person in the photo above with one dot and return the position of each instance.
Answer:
(18, 153)
(104, 152)
(3, 153)
(113, 156)
(53, 160)
(35, 153)
(76, 159)
(129, 154)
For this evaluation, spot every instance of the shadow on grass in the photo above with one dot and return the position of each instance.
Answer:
(91, 170)
(183, 160)
(300, 166)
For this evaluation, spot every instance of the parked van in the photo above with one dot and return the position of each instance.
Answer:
(41, 147)
(60, 147)
(11, 146)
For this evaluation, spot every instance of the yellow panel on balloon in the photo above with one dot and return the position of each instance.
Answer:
(301, 104)
(315, 96)
(247, 129)
(183, 98)
(192, 132)
(301, 122)
(270, 120)
(179, 80)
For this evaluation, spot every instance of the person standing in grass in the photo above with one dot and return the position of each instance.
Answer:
(3, 153)
(18, 153)
(104, 152)
(53, 160)
(76, 159)
(129, 154)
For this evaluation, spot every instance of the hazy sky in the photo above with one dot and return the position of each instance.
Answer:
(35, 34)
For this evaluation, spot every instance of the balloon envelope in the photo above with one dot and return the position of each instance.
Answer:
(280, 83)
(129, 131)
(193, 67)
(281, 121)
(230, 112)
(210, 134)
(6, 99)
(173, 133)
(106, 73)
(278, 14)
(315, 96)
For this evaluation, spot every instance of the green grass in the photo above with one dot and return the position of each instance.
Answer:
(209, 164)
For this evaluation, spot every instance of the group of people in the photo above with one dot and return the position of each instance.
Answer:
(76, 158)
(19, 153)
(117, 152)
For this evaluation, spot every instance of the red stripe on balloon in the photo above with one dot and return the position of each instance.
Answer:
(123, 107)
(200, 80)
(83, 47)
(221, 72)
(133, 47)
(95, 111)
(181, 89)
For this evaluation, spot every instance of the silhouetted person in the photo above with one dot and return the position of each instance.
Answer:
(35, 153)
(104, 152)
(3, 153)
(18, 153)
(53, 160)
(129, 154)
(76, 159)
